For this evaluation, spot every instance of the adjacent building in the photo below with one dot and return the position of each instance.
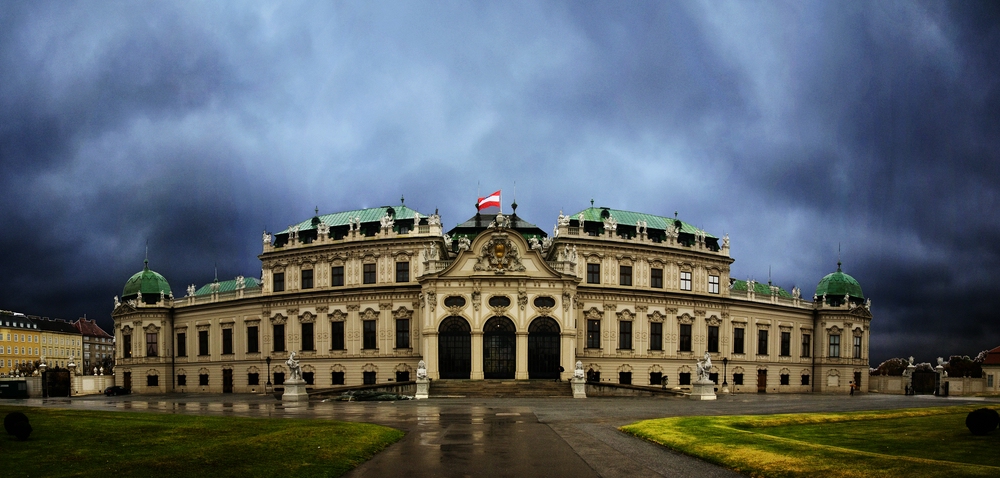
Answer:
(19, 341)
(362, 296)
(59, 342)
(98, 346)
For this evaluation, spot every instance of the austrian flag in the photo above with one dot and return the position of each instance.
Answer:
(493, 200)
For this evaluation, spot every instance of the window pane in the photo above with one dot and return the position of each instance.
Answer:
(713, 338)
(625, 335)
(279, 337)
(656, 278)
(761, 342)
(402, 334)
(786, 344)
(252, 340)
(655, 336)
(336, 336)
(685, 342)
(337, 276)
(202, 342)
(593, 273)
(279, 281)
(369, 273)
(307, 337)
(369, 335)
(625, 275)
(738, 340)
(806, 346)
(182, 344)
(402, 272)
(713, 284)
(685, 281)
(307, 279)
(593, 334)
(227, 341)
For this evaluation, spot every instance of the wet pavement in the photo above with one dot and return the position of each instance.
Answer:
(508, 437)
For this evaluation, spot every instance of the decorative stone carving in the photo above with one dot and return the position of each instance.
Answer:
(369, 314)
(610, 224)
(562, 220)
(464, 243)
(500, 222)
(522, 299)
(499, 256)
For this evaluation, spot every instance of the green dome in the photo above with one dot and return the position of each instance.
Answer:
(149, 282)
(839, 284)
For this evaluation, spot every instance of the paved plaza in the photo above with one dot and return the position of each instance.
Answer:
(510, 437)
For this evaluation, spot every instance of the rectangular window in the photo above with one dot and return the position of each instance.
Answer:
(625, 335)
(685, 281)
(227, 341)
(402, 334)
(279, 378)
(656, 336)
(762, 342)
(593, 273)
(336, 378)
(152, 380)
(738, 340)
(684, 378)
(151, 347)
(784, 379)
(336, 336)
(369, 274)
(593, 334)
(655, 378)
(685, 338)
(369, 335)
(805, 380)
(202, 342)
(337, 276)
(279, 337)
(857, 347)
(369, 378)
(834, 346)
(403, 271)
(806, 345)
(308, 377)
(656, 278)
(279, 281)
(737, 379)
(181, 344)
(713, 338)
(403, 376)
(714, 376)
(126, 346)
(307, 337)
(182, 380)
(713, 284)
(786, 344)
(307, 279)
(253, 341)
(253, 379)
(203, 379)
(625, 275)
(625, 378)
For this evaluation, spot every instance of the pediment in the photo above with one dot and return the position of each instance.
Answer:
(500, 252)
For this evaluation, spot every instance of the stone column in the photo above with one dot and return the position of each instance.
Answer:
(521, 351)
(477, 355)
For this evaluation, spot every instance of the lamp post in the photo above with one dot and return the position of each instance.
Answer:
(725, 375)
(268, 360)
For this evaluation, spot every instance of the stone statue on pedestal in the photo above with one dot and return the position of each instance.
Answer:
(704, 366)
(294, 370)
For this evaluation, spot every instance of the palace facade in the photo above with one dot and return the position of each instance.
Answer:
(362, 296)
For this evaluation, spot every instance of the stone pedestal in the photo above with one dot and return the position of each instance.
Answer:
(703, 390)
(579, 387)
(423, 387)
(295, 391)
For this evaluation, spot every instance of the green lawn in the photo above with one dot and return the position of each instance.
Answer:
(90, 443)
(914, 442)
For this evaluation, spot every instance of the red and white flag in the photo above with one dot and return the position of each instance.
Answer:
(493, 200)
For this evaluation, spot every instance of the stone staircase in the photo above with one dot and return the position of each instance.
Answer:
(499, 389)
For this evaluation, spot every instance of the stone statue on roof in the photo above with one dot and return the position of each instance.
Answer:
(267, 238)
(240, 282)
(546, 243)
(434, 219)
(464, 243)
(725, 241)
(579, 219)
(117, 302)
(386, 222)
(190, 290)
(447, 241)
(611, 224)
(533, 241)
(322, 229)
(562, 220)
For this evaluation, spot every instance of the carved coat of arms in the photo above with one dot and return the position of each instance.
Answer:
(499, 255)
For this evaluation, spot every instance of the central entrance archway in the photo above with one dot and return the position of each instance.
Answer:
(543, 348)
(499, 348)
(454, 348)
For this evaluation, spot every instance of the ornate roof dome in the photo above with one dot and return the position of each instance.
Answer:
(837, 284)
(149, 283)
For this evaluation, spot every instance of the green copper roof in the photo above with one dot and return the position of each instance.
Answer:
(373, 214)
(149, 282)
(629, 218)
(759, 288)
(229, 286)
(838, 284)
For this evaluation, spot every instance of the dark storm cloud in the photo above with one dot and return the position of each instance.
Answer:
(797, 128)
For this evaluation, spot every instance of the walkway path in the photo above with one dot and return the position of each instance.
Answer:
(509, 437)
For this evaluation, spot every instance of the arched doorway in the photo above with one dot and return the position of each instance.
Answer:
(499, 347)
(543, 348)
(454, 348)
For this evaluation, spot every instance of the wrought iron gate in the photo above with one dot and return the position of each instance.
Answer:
(499, 348)
(543, 348)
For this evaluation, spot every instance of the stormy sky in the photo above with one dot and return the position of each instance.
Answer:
(799, 128)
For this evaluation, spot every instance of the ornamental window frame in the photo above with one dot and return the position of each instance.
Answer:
(685, 280)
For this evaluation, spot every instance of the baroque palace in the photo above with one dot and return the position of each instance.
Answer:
(362, 296)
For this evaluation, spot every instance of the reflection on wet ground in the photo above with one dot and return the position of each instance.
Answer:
(505, 437)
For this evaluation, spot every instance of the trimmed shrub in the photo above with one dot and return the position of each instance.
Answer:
(16, 423)
(982, 421)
